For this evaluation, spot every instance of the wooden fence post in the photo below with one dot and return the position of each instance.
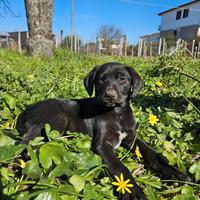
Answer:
(125, 47)
(75, 43)
(7, 41)
(132, 51)
(19, 42)
(193, 43)
(145, 49)
(87, 48)
(139, 48)
(195, 52)
(164, 46)
(159, 47)
(140, 44)
(78, 46)
(150, 50)
(198, 49)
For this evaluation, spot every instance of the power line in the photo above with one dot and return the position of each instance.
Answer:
(146, 4)
(154, 5)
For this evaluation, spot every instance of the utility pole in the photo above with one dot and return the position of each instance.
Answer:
(72, 24)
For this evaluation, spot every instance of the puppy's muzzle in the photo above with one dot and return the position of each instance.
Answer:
(110, 95)
(110, 98)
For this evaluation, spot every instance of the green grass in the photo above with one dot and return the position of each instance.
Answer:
(71, 170)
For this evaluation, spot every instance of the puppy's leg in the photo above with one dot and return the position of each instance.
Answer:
(155, 161)
(30, 134)
(115, 167)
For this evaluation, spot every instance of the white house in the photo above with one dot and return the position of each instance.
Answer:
(182, 21)
(151, 38)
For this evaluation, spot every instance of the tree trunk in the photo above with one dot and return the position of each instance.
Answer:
(39, 19)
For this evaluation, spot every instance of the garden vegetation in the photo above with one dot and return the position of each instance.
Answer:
(64, 168)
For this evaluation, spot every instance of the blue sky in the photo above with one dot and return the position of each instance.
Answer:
(134, 17)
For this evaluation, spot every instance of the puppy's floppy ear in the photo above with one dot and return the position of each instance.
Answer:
(89, 80)
(136, 81)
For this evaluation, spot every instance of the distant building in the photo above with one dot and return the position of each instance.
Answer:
(22, 36)
(148, 44)
(182, 21)
(4, 40)
(114, 47)
(16, 40)
(150, 38)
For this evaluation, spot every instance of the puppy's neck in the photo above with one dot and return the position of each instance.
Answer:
(121, 107)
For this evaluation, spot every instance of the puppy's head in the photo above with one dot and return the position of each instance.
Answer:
(114, 83)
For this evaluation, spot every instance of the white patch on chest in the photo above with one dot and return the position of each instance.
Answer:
(121, 136)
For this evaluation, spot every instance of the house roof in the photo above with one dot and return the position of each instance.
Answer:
(150, 35)
(180, 6)
(4, 34)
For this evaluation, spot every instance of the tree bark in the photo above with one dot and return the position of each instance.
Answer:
(39, 19)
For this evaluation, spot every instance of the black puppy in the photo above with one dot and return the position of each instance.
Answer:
(107, 118)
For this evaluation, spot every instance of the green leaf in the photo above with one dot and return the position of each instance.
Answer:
(185, 197)
(32, 168)
(62, 169)
(151, 193)
(168, 146)
(151, 181)
(172, 160)
(88, 160)
(91, 193)
(69, 197)
(53, 134)
(17, 111)
(37, 141)
(187, 190)
(188, 137)
(4, 173)
(10, 100)
(47, 128)
(177, 124)
(190, 107)
(172, 190)
(9, 152)
(5, 113)
(181, 165)
(48, 196)
(67, 189)
(51, 152)
(5, 140)
(77, 182)
(84, 144)
(195, 169)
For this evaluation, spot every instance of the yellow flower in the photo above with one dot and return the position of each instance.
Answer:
(138, 154)
(153, 119)
(159, 84)
(31, 77)
(123, 185)
(22, 163)
(7, 125)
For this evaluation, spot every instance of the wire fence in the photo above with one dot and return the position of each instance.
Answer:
(18, 41)
(169, 47)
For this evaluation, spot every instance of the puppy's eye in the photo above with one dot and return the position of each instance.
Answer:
(121, 79)
(102, 79)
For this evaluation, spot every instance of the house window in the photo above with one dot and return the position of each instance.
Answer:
(178, 14)
(175, 33)
(185, 13)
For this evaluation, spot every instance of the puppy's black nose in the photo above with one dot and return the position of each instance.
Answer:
(111, 94)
